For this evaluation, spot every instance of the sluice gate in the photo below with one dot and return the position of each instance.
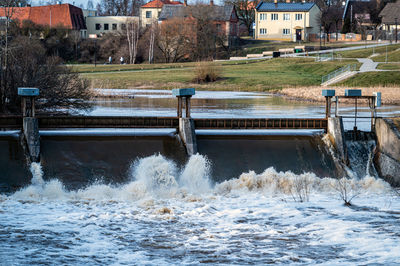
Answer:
(54, 122)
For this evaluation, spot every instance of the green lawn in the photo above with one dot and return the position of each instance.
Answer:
(366, 52)
(389, 66)
(372, 79)
(90, 68)
(261, 46)
(392, 56)
(252, 76)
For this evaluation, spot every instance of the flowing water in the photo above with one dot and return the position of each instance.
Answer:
(138, 199)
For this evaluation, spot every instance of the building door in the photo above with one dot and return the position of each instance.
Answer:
(298, 35)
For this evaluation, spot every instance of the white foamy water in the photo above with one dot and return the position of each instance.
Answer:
(167, 215)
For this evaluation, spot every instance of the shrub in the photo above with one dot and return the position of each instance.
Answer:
(206, 72)
(300, 189)
(347, 189)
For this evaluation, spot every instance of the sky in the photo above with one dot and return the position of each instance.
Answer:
(95, 2)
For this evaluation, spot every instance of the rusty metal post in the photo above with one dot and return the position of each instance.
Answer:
(187, 106)
(23, 106)
(179, 107)
(33, 107)
(328, 106)
(337, 107)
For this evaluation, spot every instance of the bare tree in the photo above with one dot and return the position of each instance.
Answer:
(245, 11)
(132, 35)
(75, 37)
(119, 7)
(153, 29)
(90, 5)
(174, 39)
(9, 8)
(30, 67)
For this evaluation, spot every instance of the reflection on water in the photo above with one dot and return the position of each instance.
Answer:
(230, 105)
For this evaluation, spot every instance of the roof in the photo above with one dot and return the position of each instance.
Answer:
(218, 13)
(160, 3)
(390, 12)
(281, 7)
(357, 6)
(66, 15)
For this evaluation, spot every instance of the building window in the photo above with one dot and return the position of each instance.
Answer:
(263, 31)
(263, 16)
(148, 14)
(98, 26)
(218, 28)
(299, 16)
(114, 26)
(286, 16)
(105, 26)
(286, 31)
(123, 26)
(274, 16)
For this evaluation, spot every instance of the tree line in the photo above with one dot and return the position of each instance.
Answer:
(32, 56)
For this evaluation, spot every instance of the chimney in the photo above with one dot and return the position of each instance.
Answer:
(211, 2)
(185, 2)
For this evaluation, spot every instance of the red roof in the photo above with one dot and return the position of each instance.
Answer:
(160, 3)
(66, 15)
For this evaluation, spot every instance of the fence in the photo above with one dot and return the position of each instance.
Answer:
(334, 74)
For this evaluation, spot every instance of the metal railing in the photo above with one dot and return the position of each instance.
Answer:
(324, 57)
(334, 74)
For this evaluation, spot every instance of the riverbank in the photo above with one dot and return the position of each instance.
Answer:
(390, 95)
(257, 76)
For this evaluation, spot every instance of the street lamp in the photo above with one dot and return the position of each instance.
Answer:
(320, 36)
(94, 37)
(395, 22)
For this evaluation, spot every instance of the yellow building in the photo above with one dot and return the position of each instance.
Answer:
(286, 21)
(150, 12)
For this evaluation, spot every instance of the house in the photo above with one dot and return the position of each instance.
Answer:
(286, 21)
(224, 18)
(100, 25)
(65, 15)
(358, 13)
(391, 16)
(150, 12)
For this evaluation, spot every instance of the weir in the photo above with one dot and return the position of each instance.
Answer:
(186, 126)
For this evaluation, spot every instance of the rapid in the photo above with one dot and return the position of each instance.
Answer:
(170, 215)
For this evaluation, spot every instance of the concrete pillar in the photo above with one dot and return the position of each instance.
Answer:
(32, 138)
(188, 135)
(337, 138)
(387, 156)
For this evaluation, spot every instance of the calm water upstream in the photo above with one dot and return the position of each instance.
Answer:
(133, 197)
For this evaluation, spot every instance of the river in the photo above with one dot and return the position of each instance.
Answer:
(133, 197)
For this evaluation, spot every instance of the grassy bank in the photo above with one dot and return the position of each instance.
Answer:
(373, 79)
(91, 68)
(390, 95)
(250, 76)
(389, 66)
(366, 52)
(392, 56)
(261, 46)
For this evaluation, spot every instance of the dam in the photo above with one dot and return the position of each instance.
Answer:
(136, 192)
(303, 152)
